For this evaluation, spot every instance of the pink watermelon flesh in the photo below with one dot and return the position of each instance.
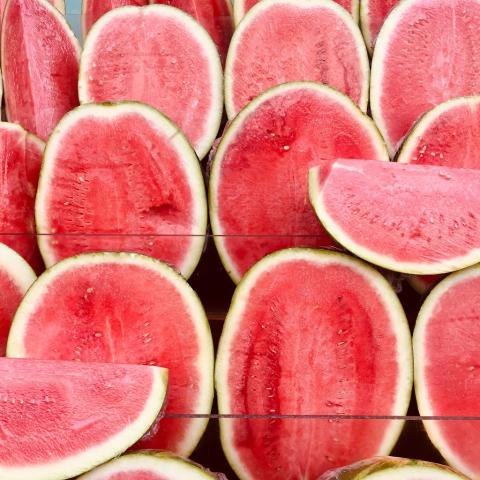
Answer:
(20, 160)
(423, 59)
(377, 11)
(213, 15)
(259, 179)
(39, 65)
(262, 55)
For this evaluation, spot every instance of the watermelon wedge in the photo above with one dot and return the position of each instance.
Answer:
(372, 16)
(261, 55)
(151, 465)
(423, 57)
(20, 161)
(258, 180)
(179, 71)
(58, 4)
(294, 343)
(446, 368)
(124, 308)
(60, 419)
(121, 178)
(40, 56)
(16, 276)
(389, 214)
(388, 468)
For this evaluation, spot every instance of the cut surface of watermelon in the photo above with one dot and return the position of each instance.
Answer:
(40, 56)
(20, 161)
(389, 214)
(178, 72)
(262, 55)
(294, 343)
(422, 58)
(372, 15)
(121, 177)
(124, 308)
(60, 419)
(258, 181)
(446, 367)
(16, 276)
(58, 4)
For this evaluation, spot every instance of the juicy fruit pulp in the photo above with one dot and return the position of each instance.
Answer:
(121, 178)
(258, 182)
(261, 55)
(179, 71)
(372, 15)
(124, 308)
(294, 343)
(60, 419)
(414, 232)
(39, 64)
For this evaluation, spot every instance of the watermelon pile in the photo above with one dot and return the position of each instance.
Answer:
(324, 155)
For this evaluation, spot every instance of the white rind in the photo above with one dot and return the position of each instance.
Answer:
(237, 124)
(16, 268)
(60, 6)
(420, 360)
(209, 51)
(163, 125)
(257, 10)
(205, 362)
(364, 24)
(240, 304)
(418, 472)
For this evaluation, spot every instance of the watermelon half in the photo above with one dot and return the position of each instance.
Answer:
(16, 276)
(160, 56)
(20, 161)
(151, 465)
(390, 215)
(372, 15)
(258, 180)
(446, 353)
(294, 344)
(119, 178)
(263, 55)
(40, 56)
(60, 419)
(423, 57)
(124, 308)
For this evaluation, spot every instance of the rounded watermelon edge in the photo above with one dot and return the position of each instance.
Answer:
(16, 267)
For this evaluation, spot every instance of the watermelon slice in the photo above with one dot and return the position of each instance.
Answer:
(389, 214)
(151, 465)
(16, 276)
(294, 343)
(40, 56)
(446, 368)
(258, 181)
(58, 4)
(372, 15)
(20, 160)
(262, 55)
(178, 72)
(60, 419)
(121, 178)
(388, 468)
(124, 308)
(423, 56)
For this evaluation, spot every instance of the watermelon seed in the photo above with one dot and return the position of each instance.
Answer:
(98, 334)
(146, 324)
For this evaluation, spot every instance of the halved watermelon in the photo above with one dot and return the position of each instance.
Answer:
(40, 56)
(16, 276)
(446, 368)
(60, 419)
(258, 181)
(161, 56)
(372, 15)
(151, 465)
(124, 308)
(20, 161)
(390, 214)
(121, 177)
(294, 344)
(423, 56)
(281, 41)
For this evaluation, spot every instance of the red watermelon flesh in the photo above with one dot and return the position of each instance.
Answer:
(39, 65)
(124, 308)
(59, 4)
(372, 15)
(258, 182)
(423, 57)
(20, 160)
(294, 343)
